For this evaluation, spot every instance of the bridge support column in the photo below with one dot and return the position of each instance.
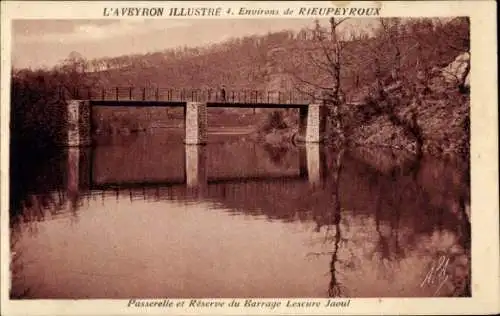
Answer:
(196, 123)
(196, 169)
(78, 124)
(316, 122)
(316, 164)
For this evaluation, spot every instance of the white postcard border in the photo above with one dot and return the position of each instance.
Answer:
(484, 161)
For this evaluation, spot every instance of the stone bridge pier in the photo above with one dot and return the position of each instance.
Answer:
(79, 123)
(312, 123)
(196, 123)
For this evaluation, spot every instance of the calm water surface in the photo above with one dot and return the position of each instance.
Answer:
(145, 216)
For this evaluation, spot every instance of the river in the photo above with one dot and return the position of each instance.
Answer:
(145, 216)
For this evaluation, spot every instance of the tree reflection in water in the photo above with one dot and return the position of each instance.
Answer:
(334, 288)
(379, 224)
(399, 248)
(19, 289)
(331, 219)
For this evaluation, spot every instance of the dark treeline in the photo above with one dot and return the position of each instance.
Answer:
(37, 103)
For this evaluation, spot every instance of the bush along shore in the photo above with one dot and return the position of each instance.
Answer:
(434, 121)
(418, 96)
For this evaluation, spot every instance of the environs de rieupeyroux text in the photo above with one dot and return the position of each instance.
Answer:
(242, 11)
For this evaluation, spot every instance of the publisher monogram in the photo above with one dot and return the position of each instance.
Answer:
(437, 274)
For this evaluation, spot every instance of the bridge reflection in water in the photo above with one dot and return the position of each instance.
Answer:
(150, 219)
(85, 172)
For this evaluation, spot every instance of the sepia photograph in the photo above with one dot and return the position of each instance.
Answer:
(200, 159)
(290, 158)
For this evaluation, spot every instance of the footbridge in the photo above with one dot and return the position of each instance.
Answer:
(312, 113)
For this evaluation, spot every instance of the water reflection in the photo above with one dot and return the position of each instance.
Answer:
(149, 218)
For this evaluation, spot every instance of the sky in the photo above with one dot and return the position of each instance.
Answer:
(44, 43)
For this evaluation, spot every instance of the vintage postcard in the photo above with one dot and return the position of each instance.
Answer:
(244, 158)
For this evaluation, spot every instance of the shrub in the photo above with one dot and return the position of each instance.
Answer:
(274, 121)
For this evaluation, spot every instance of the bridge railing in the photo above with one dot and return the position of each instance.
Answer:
(192, 95)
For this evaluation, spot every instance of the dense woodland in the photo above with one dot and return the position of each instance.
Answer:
(394, 74)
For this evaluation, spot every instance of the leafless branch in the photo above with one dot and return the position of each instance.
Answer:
(320, 64)
(307, 82)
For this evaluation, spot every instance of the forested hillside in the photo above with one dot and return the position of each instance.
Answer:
(248, 62)
(416, 56)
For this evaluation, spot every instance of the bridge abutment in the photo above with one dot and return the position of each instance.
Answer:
(78, 125)
(312, 123)
(196, 123)
(316, 123)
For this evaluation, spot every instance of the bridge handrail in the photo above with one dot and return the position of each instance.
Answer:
(157, 93)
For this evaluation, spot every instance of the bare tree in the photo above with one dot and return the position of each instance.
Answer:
(322, 55)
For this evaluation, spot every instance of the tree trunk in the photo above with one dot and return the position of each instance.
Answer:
(336, 115)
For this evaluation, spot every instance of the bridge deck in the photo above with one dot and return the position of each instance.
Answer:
(186, 95)
(253, 105)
